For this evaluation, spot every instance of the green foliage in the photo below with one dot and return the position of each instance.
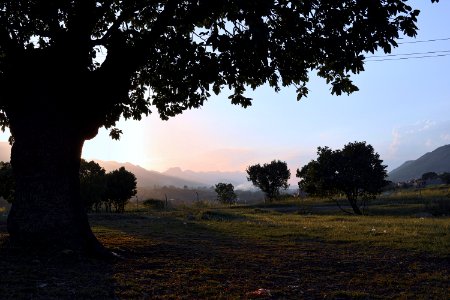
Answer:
(92, 184)
(120, 187)
(154, 204)
(7, 182)
(355, 171)
(445, 177)
(225, 193)
(316, 178)
(270, 178)
(182, 50)
(429, 176)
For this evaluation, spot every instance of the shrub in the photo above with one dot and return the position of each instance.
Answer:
(154, 204)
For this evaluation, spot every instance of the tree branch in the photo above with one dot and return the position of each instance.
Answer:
(124, 16)
(83, 20)
(120, 54)
(8, 39)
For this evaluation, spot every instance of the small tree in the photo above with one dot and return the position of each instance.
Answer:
(355, 171)
(317, 177)
(120, 187)
(429, 176)
(7, 184)
(92, 184)
(445, 177)
(270, 178)
(225, 193)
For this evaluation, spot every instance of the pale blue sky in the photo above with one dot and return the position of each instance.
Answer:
(402, 109)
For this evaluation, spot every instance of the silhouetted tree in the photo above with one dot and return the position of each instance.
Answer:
(355, 171)
(225, 193)
(445, 177)
(92, 184)
(429, 176)
(7, 184)
(70, 67)
(318, 176)
(270, 178)
(120, 187)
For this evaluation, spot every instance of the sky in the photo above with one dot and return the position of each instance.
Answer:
(402, 109)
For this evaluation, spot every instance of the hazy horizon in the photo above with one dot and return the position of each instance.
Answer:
(402, 110)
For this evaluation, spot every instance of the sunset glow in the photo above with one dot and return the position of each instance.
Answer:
(402, 109)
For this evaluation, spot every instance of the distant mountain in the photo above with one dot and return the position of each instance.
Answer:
(437, 161)
(149, 179)
(210, 178)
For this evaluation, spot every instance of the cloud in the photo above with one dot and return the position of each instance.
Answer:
(445, 137)
(224, 159)
(396, 140)
(412, 141)
(421, 126)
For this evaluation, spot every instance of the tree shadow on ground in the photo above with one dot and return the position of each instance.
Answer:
(183, 258)
(27, 274)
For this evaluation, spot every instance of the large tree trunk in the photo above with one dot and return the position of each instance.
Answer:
(53, 104)
(47, 212)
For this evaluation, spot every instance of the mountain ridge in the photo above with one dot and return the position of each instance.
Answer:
(148, 178)
(437, 161)
(209, 177)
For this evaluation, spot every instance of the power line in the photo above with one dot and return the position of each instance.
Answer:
(408, 54)
(425, 41)
(405, 58)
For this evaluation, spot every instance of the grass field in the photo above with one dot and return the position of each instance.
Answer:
(291, 250)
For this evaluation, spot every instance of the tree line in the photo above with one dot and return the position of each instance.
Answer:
(97, 188)
(355, 171)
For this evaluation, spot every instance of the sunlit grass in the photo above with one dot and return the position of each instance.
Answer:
(224, 252)
(402, 220)
(389, 225)
(411, 233)
(221, 251)
(211, 251)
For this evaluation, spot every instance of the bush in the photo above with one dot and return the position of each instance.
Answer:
(225, 193)
(154, 204)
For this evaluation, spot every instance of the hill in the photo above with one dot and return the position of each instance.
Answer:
(436, 161)
(149, 179)
(210, 178)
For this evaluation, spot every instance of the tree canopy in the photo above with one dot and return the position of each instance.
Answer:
(70, 67)
(270, 178)
(429, 176)
(355, 170)
(120, 187)
(445, 177)
(225, 193)
(92, 184)
(124, 57)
